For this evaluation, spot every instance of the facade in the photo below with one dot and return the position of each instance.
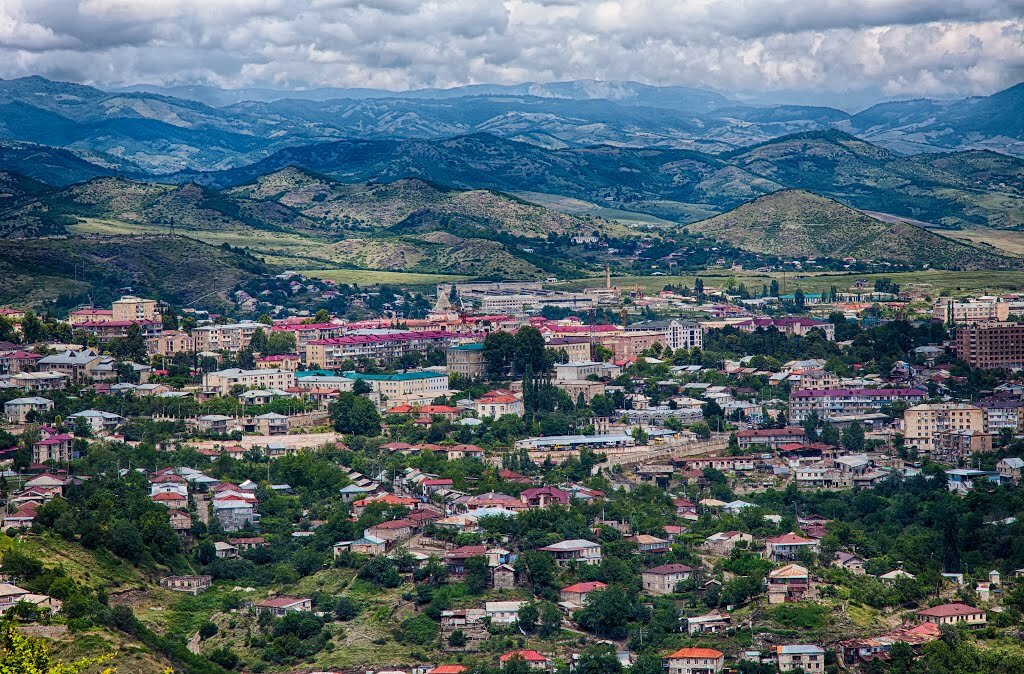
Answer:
(17, 410)
(191, 584)
(955, 445)
(922, 424)
(466, 360)
(678, 334)
(951, 614)
(577, 594)
(722, 543)
(331, 354)
(425, 383)
(970, 311)
(830, 403)
(222, 381)
(575, 348)
(279, 606)
(788, 547)
(496, 404)
(991, 345)
(75, 365)
(130, 308)
(55, 447)
(788, 584)
(579, 551)
(802, 657)
(789, 325)
(1002, 411)
(771, 437)
(694, 661)
(630, 344)
(661, 580)
(1010, 469)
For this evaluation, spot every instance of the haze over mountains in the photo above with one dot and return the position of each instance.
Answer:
(164, 133)
(440, 180)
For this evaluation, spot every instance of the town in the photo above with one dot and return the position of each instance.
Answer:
(524, 479)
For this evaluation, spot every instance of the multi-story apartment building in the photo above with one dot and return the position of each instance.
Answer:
(678, 334)
(576, 348)
(1002, 411)
(788, 325)
(814, 379)
(834, 402)
(630, 344)
(331, 354)
(130, 308)
(922, 424)
(424, 383)
(991, 345)
(222, 381)
(104, 331)
(968, 312)
(466, 360)
(171, 342)
(231, 337)
(308, 332)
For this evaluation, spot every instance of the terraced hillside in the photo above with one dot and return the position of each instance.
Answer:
(796, 223)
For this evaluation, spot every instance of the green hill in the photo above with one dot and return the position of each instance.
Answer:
(172, 268)
(797, 223)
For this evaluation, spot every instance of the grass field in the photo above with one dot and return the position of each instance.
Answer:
(929, 281)
(95, 568)
(1011, 241)
(579, 207)
(365, 277)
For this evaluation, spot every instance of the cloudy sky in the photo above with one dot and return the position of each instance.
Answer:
(887, 48)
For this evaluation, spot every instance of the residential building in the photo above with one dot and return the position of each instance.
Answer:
(814, 379)
(191, 584)
(223, 381)
(710, 623)
(677, 334)
(694, 661)
(171, 343)
(663, 579)
(503, 612)
(533, 659)
(722, 543)
(788, 547)
(390, 345)
(1002, 411)
(770, 437)
(75, 365)
(98, 420)
(800, 657)
(788, 325)
(418, 383)
(991, 345)
(1010, 469)
(829, 403)
(280, 361)
(279, 606)
(970, 311)
(575, 348)
(496, 404)
(577, 550)
(39, 381)
(130, 308)
(951, 614)
(849, 561)
(466, 360)
(951, 446)
(17, 411)
(53, 447)
(923, 423)
(630, 344)
(789, 583)
(577, 594)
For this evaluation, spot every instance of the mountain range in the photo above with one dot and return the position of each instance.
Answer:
(199, 128)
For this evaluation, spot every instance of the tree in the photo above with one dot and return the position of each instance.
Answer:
(529, 351)
(498, 352)
(124, 541)
(281, 342)
(32, 329)
(355, 415)
(853, 437)
(600, 659)
(528, 617)
(550, 620)
(476, 574)
(607, 612)
(698, 288)
(20, 654)
(457, 639)
(207, 630)
(258, 341)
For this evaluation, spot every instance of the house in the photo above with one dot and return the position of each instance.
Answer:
(76, 365)
(392, 531)
(279, 606)
(788, 547)
(770, 437)
(170, 499)
(532, 658)
(367, 545)
(849, 561)
(802, 657)
(191, 584)
(1010, 469)
(955, 613)
(23, 517)
(503, 577)
(224, 550)
(660, 580)
(541, 497)
(98, 420)
(694, 661)
(722, 543)
(495, 404)
(855, 651)
(457, 558)
(577, 550)
(503, 612)
(180, 521)
(53, 447)
(789, 583)
(235, 512)
(449, 669)
(248, 543)
(18, 410)
(647, 544)
(711, 623)
(577, 594)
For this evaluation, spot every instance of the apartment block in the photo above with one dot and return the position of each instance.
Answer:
(991, 345)
(922, 424)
